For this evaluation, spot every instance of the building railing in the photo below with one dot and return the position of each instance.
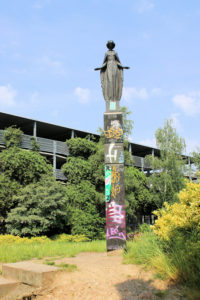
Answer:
(46, 145)
(141, 163)
(59, 175)
(61, 148)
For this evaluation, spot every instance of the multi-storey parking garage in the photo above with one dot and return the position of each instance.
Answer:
(52, 141)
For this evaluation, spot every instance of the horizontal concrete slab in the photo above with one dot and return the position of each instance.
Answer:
(30, 273)
(6, 286)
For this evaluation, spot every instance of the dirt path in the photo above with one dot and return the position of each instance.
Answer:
(101, 276)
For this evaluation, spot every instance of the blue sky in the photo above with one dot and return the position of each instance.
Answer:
(49, 49)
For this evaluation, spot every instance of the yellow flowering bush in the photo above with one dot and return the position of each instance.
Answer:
(183, 215)
(9, 238)
(71, 238)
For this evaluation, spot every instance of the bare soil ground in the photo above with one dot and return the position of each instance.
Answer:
(102, 276)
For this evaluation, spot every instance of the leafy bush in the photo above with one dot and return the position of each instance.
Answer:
(8, 188)
(70, 238)
(23, 166)
(12, 136)
(81, 147)
(77, 169)
(83, 206)
(41, 209)
(138, 198)
(183, 217)
(10, 239)
(174, 245)
(145, 228)
(179, 226)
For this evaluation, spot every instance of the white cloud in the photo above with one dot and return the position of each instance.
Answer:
(145, 5)
(7, 96)
(189, 104)
(130, 93)
(82, 94)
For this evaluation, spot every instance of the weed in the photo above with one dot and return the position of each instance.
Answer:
(49, 263)
(67, 267)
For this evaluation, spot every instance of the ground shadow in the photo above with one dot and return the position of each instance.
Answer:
(137, 289)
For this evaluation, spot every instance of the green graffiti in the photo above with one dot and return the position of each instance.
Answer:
(108, 173)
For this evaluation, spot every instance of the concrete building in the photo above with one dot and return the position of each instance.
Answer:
(51, 139)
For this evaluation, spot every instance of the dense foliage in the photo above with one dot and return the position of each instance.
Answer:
(23, 166)
(18, 169)
(139, 200)
(84, 202)
(41, 209)
(179, 226)
(167, 178)
(81, 147)
(173, 247)
(8, 188)
(12, 136)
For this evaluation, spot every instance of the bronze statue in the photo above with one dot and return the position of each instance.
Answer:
(111, 74)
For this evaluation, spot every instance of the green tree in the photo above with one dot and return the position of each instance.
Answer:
(41, 209)
(12, 136)
(127, 123)
(81, 147)
(196, 159)
(8, 188)
(168, 178)
(139, 200)
(83, 203)
(23, 166)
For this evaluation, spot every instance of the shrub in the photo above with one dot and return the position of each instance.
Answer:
(182, 217)
(77, 169)
(41, 209)
(81, 147)
(70, 238)
(12, 136)
(10, 239)
(178, 225)
(8, 188)
(23, 166)
(83, 204)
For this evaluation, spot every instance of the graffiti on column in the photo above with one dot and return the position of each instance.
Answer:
(108, 173)
(114, 130)
(115, 212)
(114, 153)
(115, 221)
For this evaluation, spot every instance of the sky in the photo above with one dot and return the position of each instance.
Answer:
(49, 49)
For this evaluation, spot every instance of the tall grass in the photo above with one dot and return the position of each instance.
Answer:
(13, 252)
(178, 260)
(149, 251)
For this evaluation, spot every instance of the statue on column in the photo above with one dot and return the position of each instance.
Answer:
(111, 74)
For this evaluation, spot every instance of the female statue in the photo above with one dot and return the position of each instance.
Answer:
(111, 74)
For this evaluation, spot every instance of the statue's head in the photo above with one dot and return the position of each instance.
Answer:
(110, 45)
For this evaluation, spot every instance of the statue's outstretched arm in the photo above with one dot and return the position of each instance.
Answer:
(103, 65)
(119, 63)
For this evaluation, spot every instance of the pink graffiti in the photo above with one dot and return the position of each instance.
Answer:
(115, 214)
(108, 180)
(114, 233)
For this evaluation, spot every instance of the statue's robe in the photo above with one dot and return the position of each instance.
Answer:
(112, 77)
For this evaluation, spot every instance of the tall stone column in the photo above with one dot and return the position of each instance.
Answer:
(111, 73)
(114, 177)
